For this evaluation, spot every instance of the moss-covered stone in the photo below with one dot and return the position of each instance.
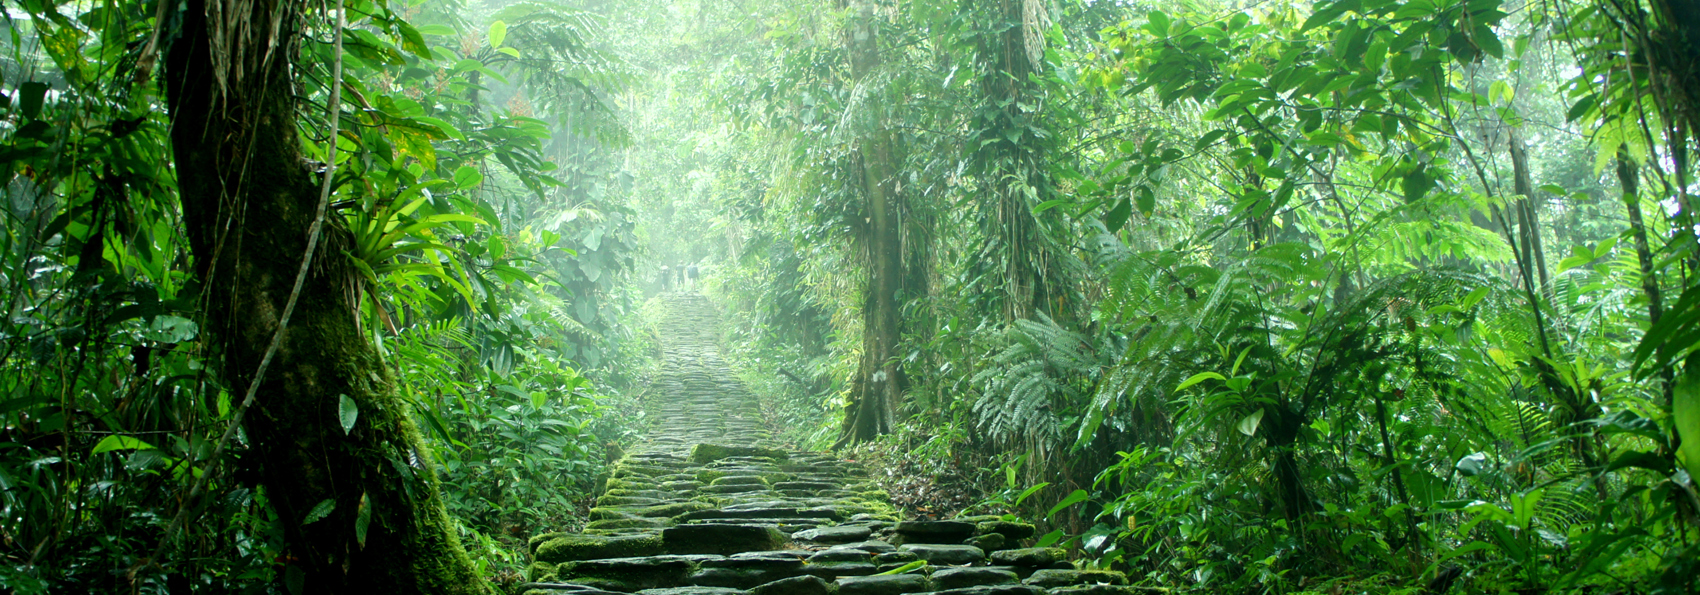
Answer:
(674, 509)
(1009, 529)
(538, 539)
(708, 453)
(630, 523)
(1037, 557)
(738, 480)
(721, 539)
(1052, 578)
(567, 548)
(989, 542)
(627, 574)
(540, 572)
(607, 500)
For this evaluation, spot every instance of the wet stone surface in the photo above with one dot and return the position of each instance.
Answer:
(710, 505)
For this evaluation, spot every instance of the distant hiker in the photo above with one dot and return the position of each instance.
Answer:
(666, 278)
(691, 277)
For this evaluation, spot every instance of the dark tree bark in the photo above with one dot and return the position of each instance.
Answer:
(878, 387)
(248, 202)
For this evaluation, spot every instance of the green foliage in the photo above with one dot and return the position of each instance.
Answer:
(108, 414)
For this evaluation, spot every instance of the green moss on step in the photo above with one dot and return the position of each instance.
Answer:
(713, 501)
(638, 523)
(673, 510)
(707, 453)
(589, 547)
(540, 572)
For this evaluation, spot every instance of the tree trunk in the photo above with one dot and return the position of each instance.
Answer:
(248, 201)
(878, 387)
(1529, 224)
(1631, 186)
(1014, 164)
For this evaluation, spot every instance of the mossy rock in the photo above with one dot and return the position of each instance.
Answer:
(626, 574)
(631, 523)
(627, 483)
(674, 509)
(989, 542)
(540, 572)
(607, 500)
(540, 538)
(567, 548)
(1036, 557)
(1052, 578)
(713, 501)
(708, 453)
(1009, 529)
(723, 539)
(739, 480)
(628, 471)
(773, 478)
(603, 513)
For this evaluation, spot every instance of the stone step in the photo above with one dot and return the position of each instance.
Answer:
(708, 506)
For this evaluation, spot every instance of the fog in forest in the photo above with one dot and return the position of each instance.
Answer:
(973, 297)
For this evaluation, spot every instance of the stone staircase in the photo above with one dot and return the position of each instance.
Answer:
(708, 506)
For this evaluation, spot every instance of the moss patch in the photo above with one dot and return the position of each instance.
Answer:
(708, 453)
(540, 572)
(639, 523)
(568, 548)
(673, 510)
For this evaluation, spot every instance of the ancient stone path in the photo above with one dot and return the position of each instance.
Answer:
(709, 506)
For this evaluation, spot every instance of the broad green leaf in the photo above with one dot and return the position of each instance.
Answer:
(362, 520)
(498, 33)
(1208, 139)
(1118, 215)
(1685, 416)
(1157, 23)
(1050, 539)
(1073, 498)
(30, 98)
(1051, 204)
(1581, 107)
(1197, 378)
(1030, 491)
(319, 511)
(347, 412)
(904, 569)
(115, 442)
(467, 176)
(1248, 424)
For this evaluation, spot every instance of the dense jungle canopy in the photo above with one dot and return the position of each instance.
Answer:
(1226, 296)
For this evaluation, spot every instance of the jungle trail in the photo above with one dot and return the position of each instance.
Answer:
(867, 297)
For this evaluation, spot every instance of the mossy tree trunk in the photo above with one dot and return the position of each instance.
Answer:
(878, 387)
(248, 202)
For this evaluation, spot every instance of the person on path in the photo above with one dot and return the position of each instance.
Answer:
(691, 277)
(666, 279)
